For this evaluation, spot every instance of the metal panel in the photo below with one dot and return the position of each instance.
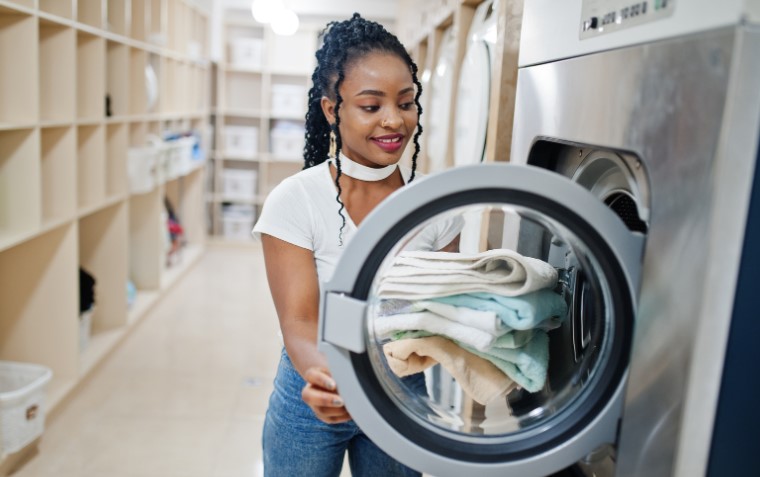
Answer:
(665, 103)
(551, 29)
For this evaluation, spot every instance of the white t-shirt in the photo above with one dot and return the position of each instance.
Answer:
(303, 210)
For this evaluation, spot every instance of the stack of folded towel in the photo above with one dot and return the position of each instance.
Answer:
(483, 317)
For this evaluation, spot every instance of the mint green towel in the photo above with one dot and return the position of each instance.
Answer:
(511, 339)
(542, 309)
(527, 366)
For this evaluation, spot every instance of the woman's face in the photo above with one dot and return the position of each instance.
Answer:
(378, 115)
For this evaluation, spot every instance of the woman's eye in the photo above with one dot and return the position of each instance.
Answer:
(406, 106)
(370, 109)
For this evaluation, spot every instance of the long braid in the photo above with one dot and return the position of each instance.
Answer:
(338, 146)
(344, 42)
(417, 134)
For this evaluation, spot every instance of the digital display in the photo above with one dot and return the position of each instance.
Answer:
(606, 16)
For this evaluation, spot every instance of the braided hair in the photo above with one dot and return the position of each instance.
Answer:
(344, 42)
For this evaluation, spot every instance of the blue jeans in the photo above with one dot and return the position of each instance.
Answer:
(296, 443)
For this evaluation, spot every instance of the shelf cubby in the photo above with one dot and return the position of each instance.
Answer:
(91, 12)
(186, 193)
(147, 232)
(39, 307)
(103, 253)
(182, 99)
(117, 138)
(201, 93)
(277, 171)
(292, 54)
(169, 86)
(117, 79)
(57, 77)
(59, 169)
(19, 184)
(91, 177)
(242, 91)
(137, 134)
(137, 90)
(139, 16)
(156, 29)
(61, 8)
(117, 16)
(90, 77)
(18, 68)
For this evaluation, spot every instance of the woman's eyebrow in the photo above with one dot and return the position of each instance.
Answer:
(374, 92)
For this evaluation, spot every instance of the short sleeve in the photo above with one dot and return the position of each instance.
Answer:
(286, 215)
(437, 235)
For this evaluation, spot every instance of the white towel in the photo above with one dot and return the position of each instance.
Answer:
(487, 321)
(421, 275)
(386, 326)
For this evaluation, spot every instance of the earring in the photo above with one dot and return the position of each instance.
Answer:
(333, 145)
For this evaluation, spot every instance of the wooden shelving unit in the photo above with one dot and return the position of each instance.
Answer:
(422, 29)
(74, 100)
(245, 96)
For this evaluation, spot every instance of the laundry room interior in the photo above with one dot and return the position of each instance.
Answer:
(379, 238)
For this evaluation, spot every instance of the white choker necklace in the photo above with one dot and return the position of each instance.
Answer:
(364, 173)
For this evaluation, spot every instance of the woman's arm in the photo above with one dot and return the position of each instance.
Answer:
(293, 281)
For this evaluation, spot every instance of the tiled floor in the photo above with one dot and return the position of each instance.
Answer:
(185, 394)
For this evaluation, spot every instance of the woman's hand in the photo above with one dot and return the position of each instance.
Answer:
(321, 395)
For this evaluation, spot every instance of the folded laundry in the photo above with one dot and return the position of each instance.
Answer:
(527, 366)
(543, 309)
(483, 320)
(478, 377)
(509, 340)
(386, 326)
(424, 275)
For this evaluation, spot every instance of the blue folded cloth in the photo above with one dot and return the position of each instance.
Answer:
(527, 366)
(541, 309)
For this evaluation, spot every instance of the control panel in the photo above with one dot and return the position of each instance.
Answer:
(601, 17)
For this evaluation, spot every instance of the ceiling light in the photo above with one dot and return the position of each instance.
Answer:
(285, 22)
(264, 11)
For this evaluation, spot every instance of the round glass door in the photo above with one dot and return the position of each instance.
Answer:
(496, 323)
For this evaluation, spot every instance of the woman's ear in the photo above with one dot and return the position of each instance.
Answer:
(328, 108)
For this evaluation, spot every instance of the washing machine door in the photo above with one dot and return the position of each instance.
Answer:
(473, 94)
(446, 395)
(442, 84)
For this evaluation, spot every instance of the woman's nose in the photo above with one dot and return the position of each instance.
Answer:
(392, 120)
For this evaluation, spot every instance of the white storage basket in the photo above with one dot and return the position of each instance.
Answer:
(287, 143)
(247, 53)
(241, 141)
(289, 100)
(142, 165)
(22, 404)
(239, 184)
(237, 227)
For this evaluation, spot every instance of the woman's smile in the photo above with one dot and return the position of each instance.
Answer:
(389, 142)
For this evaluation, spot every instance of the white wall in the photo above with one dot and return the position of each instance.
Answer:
(379, 10)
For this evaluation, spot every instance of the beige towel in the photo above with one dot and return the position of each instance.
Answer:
(479, 378)
(426, 275)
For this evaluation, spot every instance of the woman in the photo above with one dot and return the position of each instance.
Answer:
(365, 104)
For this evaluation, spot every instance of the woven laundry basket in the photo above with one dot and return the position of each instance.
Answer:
(22, 404)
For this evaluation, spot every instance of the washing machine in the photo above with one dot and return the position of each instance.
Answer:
(442, 86)
(474, 86)
(633, 177)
